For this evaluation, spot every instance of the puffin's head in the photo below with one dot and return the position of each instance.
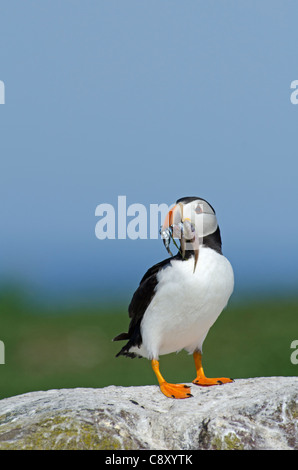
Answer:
(191, 220)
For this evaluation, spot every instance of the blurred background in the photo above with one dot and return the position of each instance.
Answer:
(154, 101)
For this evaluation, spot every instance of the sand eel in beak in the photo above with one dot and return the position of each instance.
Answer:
(180, 298)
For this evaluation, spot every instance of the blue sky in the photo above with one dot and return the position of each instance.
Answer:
(153, 100)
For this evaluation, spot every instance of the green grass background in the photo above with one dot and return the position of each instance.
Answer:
(47, 348)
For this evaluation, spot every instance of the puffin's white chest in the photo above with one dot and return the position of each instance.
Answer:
(186, 304)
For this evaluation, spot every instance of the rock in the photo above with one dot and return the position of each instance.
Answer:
(260, 413)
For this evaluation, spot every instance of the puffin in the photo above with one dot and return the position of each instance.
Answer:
(181, 297)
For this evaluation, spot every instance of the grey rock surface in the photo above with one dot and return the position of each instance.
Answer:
(260, 413)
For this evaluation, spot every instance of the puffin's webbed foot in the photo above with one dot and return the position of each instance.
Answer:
(175, 390)
(201, 379)
(170, 390)
(207, 382)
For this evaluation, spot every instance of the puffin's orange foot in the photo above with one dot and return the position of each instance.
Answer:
(205, 382)
(175, 390)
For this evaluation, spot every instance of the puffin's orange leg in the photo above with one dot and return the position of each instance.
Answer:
(170, 390)
(201, 379)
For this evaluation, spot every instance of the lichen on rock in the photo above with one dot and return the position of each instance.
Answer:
(257, 413)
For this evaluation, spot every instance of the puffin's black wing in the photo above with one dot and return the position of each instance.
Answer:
(138, 306)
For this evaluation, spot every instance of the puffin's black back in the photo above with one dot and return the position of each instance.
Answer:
(138, 306)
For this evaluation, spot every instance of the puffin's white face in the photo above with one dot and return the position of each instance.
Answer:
(201, 216)
(197, 216)
(190, 220)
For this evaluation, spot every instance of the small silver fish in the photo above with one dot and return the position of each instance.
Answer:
(166, 236)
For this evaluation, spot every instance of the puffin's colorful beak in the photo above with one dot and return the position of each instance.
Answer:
(166, 230)
(171, 218)
(173, 228)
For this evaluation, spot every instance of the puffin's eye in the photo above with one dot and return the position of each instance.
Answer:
(199, 209)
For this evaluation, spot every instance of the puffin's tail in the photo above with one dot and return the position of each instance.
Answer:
(125, 350)
(121, 337)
